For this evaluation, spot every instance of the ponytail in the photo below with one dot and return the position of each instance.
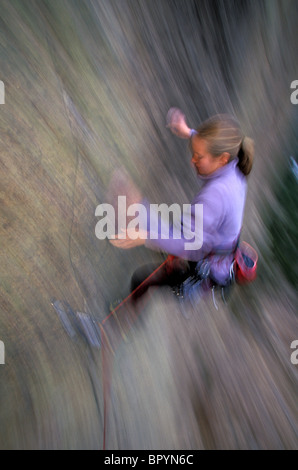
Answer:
(246, 155)
(223, 134)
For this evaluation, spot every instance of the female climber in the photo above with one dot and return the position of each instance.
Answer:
(222, 157)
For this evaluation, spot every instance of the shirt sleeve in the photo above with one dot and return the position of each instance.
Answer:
(194, 236)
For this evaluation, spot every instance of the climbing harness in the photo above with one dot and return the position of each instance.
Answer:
(243, 270)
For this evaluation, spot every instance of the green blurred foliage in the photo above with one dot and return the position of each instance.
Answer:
(283, 222)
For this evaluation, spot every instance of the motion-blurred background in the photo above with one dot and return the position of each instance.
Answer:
(87, 88)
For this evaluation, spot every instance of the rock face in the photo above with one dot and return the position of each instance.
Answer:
(85, 89)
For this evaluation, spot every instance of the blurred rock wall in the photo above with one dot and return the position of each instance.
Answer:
(87, 88)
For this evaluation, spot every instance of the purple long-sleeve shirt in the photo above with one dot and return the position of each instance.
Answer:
(223, 198)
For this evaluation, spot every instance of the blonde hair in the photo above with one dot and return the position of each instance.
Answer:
(223, 134)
